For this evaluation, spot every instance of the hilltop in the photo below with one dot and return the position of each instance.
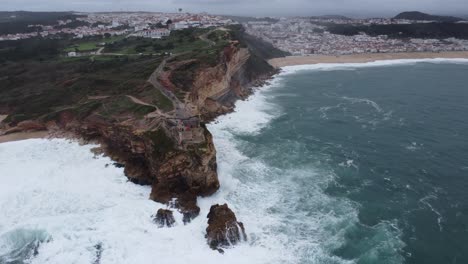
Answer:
(415, 15)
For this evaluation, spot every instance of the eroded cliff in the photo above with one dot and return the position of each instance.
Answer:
(147, 113)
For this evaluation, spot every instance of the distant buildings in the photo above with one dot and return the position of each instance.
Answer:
(306, 36)
(134, 24)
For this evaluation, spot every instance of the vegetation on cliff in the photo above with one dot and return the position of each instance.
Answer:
(33, 89)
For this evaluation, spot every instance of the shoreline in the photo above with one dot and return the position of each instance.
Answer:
(364, 58)
(19, 136)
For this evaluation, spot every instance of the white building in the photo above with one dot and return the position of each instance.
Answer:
(154, 33)
(180, 25)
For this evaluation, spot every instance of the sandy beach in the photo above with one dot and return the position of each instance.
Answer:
(23, 136)
(362, 58)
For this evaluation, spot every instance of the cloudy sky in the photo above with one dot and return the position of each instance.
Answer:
(249, 7)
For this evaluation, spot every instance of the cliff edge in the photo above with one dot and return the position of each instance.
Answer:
(148, 113)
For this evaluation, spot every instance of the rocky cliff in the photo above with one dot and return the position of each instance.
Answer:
(155, 129)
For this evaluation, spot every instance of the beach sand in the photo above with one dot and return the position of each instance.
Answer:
(23, 136)
(20, 135)
(362, 58)
(2, 117)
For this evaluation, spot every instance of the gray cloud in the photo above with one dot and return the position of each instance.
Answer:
(248, 7)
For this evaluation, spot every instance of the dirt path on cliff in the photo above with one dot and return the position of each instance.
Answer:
(181, 110)
(156, 113)
(138, 101)
(204, 38)
(99, 51)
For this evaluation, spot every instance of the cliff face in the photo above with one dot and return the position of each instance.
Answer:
(152, 156)
(215, 89)
(170, 150)
(215, 83)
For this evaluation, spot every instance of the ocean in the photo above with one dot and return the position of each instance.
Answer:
(335, 163)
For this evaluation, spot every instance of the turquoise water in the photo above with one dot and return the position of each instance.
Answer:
(361, 164)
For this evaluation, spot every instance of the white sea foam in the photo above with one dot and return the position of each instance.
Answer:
(59, 188)
(85, 207)
(363, 100)
(252, 114)
(287, 70)
(425, 200)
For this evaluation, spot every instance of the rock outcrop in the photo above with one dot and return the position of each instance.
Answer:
(146, 124)
(223, 228)
(164, 218)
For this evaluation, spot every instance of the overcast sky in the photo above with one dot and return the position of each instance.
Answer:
(249, 7)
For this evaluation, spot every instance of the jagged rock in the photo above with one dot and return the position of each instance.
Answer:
(164, 218)
(187, 205)
(97, 259)
(185, 199)
(223, 228)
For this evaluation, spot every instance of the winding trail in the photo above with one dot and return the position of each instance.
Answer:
(209, 41)
(140, 102)
(181, 109)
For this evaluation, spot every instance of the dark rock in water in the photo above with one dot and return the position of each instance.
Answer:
(118, 165)
(223, 228)
(185, 198)
(164, 218)
(98, 253)
(187, 205)
(190, 213)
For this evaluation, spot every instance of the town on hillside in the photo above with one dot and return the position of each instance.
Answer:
(148, 25)
(341, 35)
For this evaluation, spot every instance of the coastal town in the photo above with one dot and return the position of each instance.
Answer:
(297, 35)
(148, 25)
(306, 36)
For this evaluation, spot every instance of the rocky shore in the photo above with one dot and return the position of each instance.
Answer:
(171, 151)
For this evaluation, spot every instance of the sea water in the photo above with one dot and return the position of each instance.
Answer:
(331, 163)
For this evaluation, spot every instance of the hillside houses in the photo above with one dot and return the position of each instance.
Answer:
(305, 36)
(148, 25)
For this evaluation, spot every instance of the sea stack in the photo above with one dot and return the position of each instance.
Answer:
(164, 218)
(223, 228)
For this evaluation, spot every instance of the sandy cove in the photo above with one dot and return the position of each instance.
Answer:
(362, 58)
(23, 136)
(17, 136)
